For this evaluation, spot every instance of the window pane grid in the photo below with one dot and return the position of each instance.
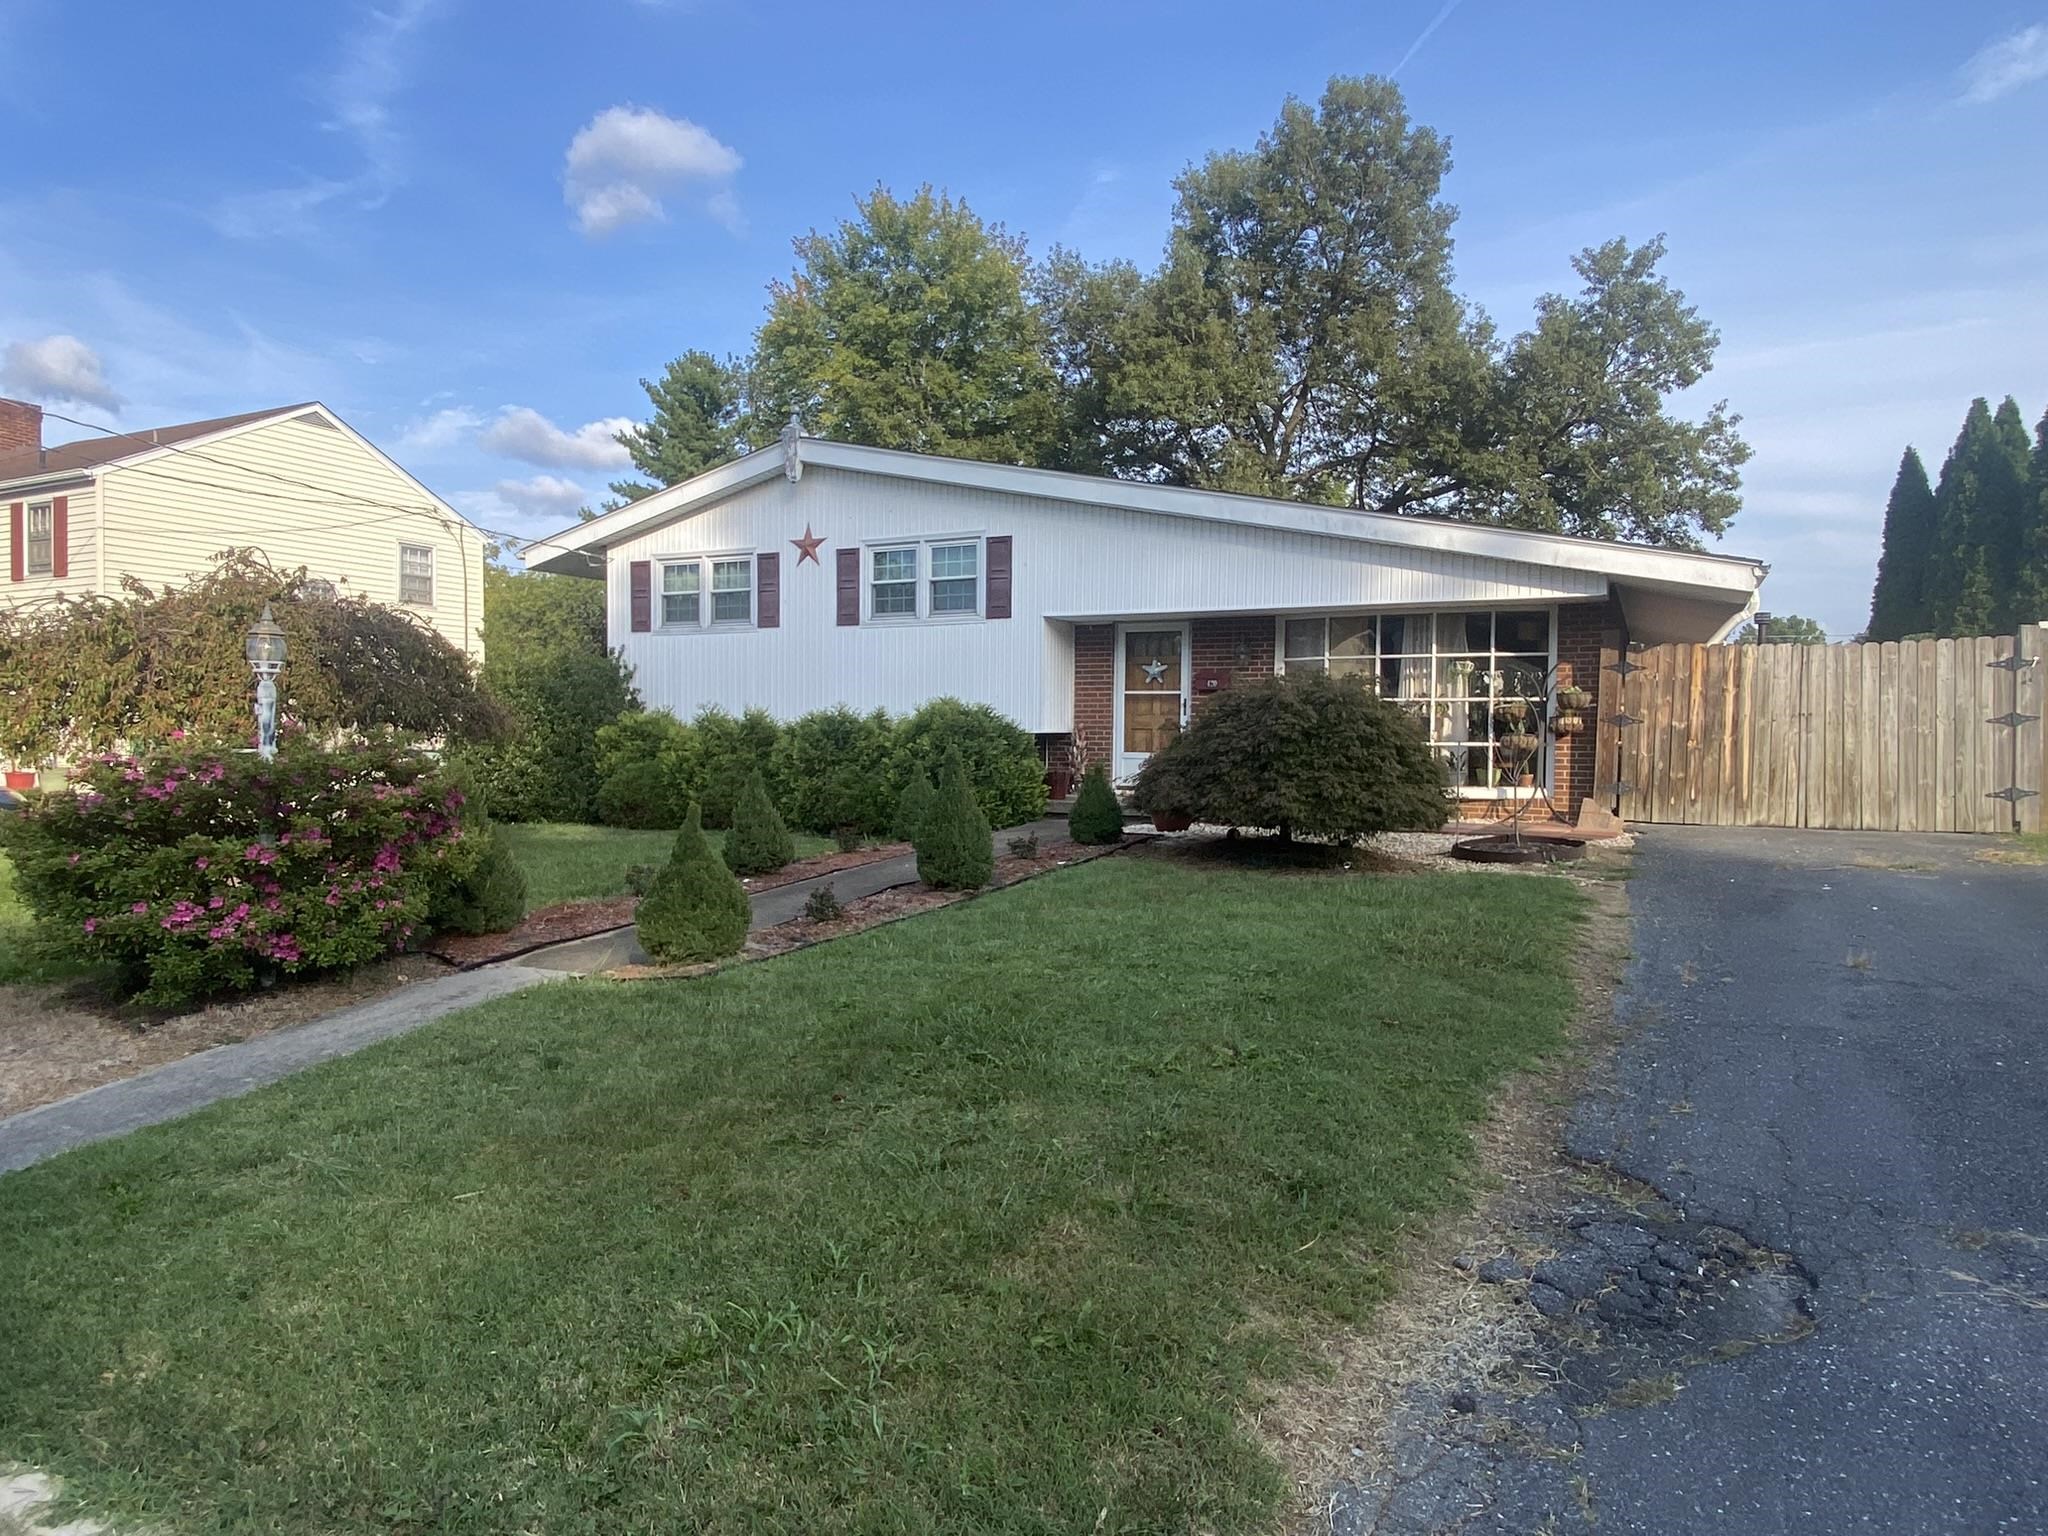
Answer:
(732, 591)
(41, 540)
(415, 574)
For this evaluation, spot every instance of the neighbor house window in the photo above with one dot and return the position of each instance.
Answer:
(895, 583)
(727, 581)
(41, 526)
(956, 578)
(416, 574)
(732, 591)
(1470, 677)
(680, 584)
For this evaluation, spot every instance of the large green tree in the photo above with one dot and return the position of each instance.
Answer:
(1785, 629)
(1898, 603)
(695, 423)
(1977, 512)
(1302, 339)
(908, 327)
(2030, 582)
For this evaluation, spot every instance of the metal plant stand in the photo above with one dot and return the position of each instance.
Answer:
(1518, 752)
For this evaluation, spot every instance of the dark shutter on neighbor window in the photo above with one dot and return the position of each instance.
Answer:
(849, 586)
(641, 577)
(768, 591)
(60, 536)
(999, 577)
(17, 539)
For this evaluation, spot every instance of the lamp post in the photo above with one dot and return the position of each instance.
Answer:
(265, 650)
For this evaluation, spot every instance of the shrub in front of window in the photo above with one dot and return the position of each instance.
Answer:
(758, 844)
(1096, 816)
(913, 805)
(1304, 754)
(728, 749)
(695, 910)
(198, 872)
(955, 850)
(834, 769)
(490, 897)
(1000, 757)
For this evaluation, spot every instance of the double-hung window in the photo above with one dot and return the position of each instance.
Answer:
(927, 579)
(40, 560)
(728, 582)
(416, 574)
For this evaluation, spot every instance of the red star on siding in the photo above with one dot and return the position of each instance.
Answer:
(807, 547)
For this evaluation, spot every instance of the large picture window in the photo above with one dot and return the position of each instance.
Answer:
(1471, 677)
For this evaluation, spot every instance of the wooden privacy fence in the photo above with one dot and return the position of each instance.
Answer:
(1918, 736)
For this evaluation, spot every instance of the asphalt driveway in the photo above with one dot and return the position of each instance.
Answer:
(1843, 1054)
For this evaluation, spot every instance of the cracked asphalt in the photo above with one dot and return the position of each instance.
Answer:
(1840, 1050)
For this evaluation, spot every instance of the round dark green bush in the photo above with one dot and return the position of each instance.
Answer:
(999, 756)
(1096, 816)
(640, 795)
(489, 898)
(728, 749)
(832, 768)
(695, 909)
(758, 844)
(1303, 754)
(955, 849)
(912, 806)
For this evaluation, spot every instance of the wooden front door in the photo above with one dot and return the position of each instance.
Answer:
(1152, 691)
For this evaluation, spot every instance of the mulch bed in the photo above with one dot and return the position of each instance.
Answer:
(823, 864)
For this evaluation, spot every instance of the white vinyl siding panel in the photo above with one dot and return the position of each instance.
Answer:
(1070, 563)
(82, 572)
(303, 495)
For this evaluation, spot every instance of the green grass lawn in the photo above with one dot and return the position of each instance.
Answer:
(566, 862)
(981, 1222)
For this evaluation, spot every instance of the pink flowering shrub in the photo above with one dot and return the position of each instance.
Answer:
(197, 872)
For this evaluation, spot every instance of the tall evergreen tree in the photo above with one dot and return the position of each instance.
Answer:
(1971, 503)
(1898, 604)
(695, 425)
(2006, 526)
(2030, 584)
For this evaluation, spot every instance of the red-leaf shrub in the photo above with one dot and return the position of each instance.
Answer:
(196, 872)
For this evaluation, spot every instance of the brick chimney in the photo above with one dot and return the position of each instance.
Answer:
(21, 427)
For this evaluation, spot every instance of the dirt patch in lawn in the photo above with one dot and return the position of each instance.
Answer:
(57, 1040)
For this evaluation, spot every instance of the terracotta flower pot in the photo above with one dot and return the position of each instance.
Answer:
(1171, 821)
(1059, 783)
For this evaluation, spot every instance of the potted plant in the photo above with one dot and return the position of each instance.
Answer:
(1572, 698)
(1513, 713)
(1568, 724)
(1520, 744)
(1059, 781)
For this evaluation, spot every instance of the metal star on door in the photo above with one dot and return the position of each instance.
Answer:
(1154, 671)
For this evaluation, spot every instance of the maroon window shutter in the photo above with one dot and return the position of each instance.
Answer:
(849, 586)
(999, 577)
(768, 591)
(641, 575)
(60, 536)
(17, 541)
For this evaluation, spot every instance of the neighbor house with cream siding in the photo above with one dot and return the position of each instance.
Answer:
(1101, 614)
(297, 484)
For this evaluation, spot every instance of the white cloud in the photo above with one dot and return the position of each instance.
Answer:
(443, 429)
(520, 432)
(2004, 66)
(373, 69)
(621, 163)
(542, 496)
(57, 368)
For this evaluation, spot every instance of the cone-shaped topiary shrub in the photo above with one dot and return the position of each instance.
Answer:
(912, 806)
(758, 844)
(490, 898)
(695, 909)
(955, 849)
(1096, 816)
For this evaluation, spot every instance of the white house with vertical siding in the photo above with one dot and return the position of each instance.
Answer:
(1099, 613)
(295, 483)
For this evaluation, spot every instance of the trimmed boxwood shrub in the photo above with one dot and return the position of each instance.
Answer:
(490, 897)
(912, 806)
(999, 757)
(695, 910)
(1305, 754)
(758, 844)
(833, 766)
(639, 795)
(1096, 816)
(955, 849)
(194, 872)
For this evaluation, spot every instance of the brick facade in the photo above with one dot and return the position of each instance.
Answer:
(1243, 647)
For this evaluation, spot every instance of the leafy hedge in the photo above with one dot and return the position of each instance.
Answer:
(195, 872)
(92, 674)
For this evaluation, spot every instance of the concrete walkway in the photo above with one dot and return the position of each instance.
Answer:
(195, 1081)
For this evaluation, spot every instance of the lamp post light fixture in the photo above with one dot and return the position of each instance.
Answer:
(265, 650)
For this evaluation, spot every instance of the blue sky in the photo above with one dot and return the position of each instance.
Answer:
(472, 227)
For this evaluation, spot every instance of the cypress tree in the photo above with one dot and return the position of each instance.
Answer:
(696, 909)
(1096, 816)
(1898, 604)
(758, 844)
(955, 849)
(2030, 585)
(912, 806)
(1977, 479)
(2006, 520)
